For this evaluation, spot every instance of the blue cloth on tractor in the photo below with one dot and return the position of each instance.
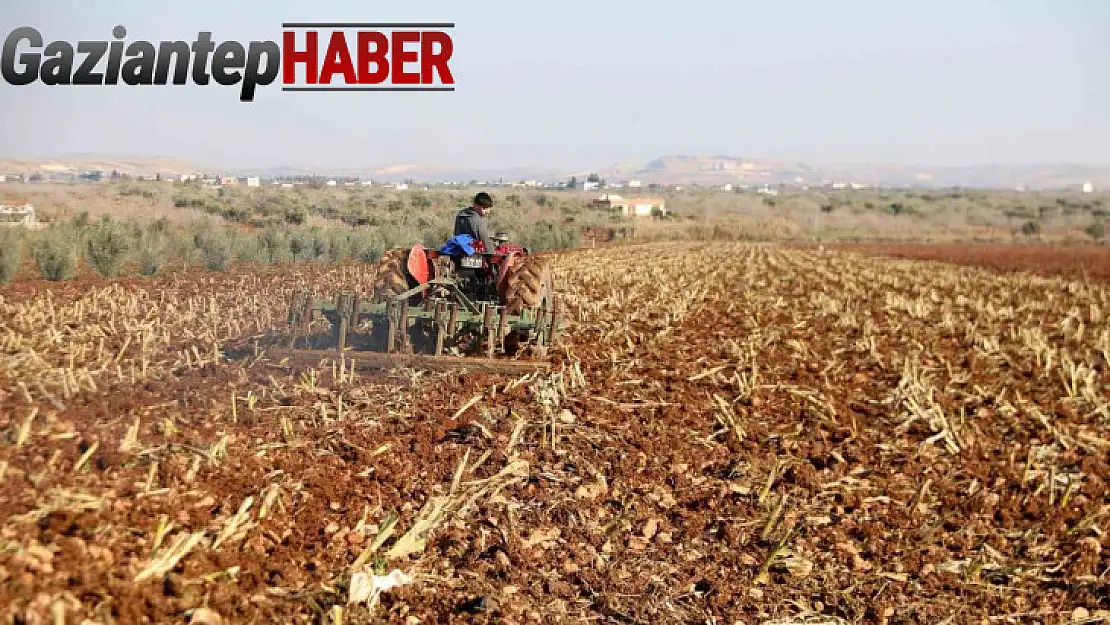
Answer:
(458, 245)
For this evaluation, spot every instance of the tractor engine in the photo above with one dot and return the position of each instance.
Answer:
(477, 283)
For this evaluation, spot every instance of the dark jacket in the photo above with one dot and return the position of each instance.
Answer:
(468, 221)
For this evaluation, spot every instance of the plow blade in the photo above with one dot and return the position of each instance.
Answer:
(376, 360)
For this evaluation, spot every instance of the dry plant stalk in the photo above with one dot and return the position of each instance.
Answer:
(164, 561)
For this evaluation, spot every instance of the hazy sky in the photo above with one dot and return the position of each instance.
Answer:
(588, 84)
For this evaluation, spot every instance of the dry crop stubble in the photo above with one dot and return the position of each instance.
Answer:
(731, 432)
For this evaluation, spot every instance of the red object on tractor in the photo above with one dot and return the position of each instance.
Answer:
(505, 248)
(418, 264)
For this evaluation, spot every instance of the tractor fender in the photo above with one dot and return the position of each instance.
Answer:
(418, 264)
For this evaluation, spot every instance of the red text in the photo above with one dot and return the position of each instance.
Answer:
(367, 57)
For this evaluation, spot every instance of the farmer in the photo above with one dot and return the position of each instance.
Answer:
(471, 221)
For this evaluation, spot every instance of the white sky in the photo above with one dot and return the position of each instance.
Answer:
(589, 84)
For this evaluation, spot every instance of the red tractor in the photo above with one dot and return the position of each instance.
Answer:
(499, 303)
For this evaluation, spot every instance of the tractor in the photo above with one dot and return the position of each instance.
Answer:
(435, 309)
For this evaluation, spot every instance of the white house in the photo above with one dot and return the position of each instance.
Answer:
(18, 214)
(590, 186)
(331, 183)
(726, 186)
(635, 207)
(635, 184)
(1088, 187)
(254, 181)
(367, 183)
(646, 206)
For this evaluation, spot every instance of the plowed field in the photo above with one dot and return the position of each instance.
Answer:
(729, 434)
(1075, 263)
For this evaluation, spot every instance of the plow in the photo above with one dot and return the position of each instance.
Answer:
(496, 312)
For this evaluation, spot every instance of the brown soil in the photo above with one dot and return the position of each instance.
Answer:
(1075, 262)
(743, 433)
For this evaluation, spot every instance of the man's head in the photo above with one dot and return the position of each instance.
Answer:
(483, 201)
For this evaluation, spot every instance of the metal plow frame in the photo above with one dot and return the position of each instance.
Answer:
(447, 316)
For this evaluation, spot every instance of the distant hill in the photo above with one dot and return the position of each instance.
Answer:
(669, 169)
(718, 170)
(712, 170)
(77, 163)
(401, 172)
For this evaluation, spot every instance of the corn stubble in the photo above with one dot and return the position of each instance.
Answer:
(731, 433)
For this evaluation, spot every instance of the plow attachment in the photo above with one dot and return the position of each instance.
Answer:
(375, 360)
(432, 326)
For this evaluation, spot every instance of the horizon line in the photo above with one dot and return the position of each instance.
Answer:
(426, 164)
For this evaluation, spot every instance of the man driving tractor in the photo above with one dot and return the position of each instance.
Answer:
(471, 221)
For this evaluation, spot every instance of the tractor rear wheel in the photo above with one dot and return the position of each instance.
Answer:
(529, 285)
(392, 278)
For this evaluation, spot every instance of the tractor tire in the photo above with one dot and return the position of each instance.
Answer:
(529, 285)
(392, 278)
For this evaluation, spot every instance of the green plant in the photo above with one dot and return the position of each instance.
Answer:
(11, 251)
(434, 236)
(419, 200)
(317, 245)
(547, 236)
(160, 225)
(182, 247)
(1096, 231)
(296, 216)
(152, 249)
(274, 245)
(107, 244)
(246, 249)
(216, 248)
(136, 190)
(298, 246)
(339, 246)
(366, 246)
(56, 253)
